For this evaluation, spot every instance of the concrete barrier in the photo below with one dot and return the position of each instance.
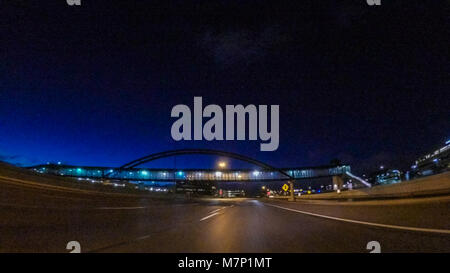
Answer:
(426, 186)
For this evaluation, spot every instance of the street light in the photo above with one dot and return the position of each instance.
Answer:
(222, 164)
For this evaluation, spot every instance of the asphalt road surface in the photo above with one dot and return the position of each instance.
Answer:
(37, 218)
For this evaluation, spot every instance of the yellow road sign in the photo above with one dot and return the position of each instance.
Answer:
(285, 187)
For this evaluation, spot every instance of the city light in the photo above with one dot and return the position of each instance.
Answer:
(222, 164)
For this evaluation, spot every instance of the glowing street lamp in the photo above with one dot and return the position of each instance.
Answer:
(222, 164)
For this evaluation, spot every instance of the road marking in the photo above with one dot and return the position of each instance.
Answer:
(22, 206)
(43, 186)
(106, 208)
(216, 210)
(443, 231)
(209, 216)
(142, 237)
(67, 208)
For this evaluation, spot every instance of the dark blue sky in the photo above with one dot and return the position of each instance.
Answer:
(94, 85)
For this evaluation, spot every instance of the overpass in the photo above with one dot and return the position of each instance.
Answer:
(264, 173)
(131, 172)
(206, 175)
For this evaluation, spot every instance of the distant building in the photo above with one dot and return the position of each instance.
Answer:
(388, 177)
(385, 177)
(433, 163)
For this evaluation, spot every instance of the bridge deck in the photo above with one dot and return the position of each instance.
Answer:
(146, 174)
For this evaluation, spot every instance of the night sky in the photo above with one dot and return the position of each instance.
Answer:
(95, 84)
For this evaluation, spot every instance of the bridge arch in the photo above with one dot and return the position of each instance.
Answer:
(171, 153)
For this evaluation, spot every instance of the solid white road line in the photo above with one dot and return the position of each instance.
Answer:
(209, 216)
(443, 231)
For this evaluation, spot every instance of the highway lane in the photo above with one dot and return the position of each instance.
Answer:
(44, 220)
(254, 226)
